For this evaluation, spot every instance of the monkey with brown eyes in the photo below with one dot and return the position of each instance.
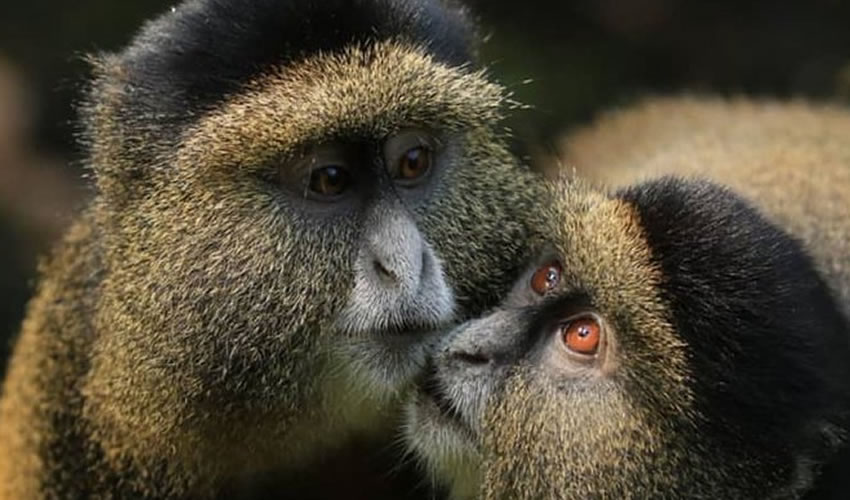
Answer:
(668, 341)
(292, 198)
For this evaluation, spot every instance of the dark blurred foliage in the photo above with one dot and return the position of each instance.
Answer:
(567, 59)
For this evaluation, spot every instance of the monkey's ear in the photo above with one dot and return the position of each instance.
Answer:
(122, 145)
(102, 131)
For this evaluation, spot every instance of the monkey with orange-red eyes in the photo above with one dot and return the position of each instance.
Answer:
(673, 338)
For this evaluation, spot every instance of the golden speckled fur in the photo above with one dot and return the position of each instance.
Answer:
(603, 250)
(793, 161)
(725, 304)
(793, 158)
(181, 340)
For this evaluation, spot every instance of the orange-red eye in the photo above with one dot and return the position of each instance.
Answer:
(546, 278)
(414, 163)
(582, 335)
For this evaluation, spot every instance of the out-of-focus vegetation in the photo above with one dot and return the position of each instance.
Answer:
(579, 55)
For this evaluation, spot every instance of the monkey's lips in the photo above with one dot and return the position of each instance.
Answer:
(387, 348)
(389, 361)
(430, 389)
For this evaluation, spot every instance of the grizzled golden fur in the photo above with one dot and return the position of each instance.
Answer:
(792, 158)
(728, 309)
(182, 340)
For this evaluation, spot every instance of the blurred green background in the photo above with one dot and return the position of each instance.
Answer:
(567, 59)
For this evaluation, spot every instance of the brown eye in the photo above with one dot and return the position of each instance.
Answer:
(582, 335)
(546, 278)
(329, 181)
(410, 155)
(414, 163)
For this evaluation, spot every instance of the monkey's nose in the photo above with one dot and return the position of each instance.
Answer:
(485, 343)
(399, 284)
(395, 254)
(400, 272)
(467, 359)
(383, 273)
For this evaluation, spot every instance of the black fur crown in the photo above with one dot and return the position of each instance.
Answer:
(203, 50)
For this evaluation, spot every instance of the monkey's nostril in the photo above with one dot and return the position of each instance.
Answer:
(471, 358)
(383, 273)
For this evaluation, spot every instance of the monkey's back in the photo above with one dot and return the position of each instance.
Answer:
(791, 159)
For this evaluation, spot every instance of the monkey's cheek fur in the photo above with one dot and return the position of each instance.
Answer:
(444, 444)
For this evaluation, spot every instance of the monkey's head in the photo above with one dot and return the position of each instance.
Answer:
(291, 193)
(667, 341)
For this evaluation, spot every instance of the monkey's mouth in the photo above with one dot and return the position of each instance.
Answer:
(388, 361)
(433, 396)
(408, 331)
(429, 387)
(407, 325)
(408, 339)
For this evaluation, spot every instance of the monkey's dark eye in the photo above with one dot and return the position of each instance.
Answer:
(581, 335)
(329, 181)
(546, 278)
(322, 173)
(414, 163)
(410, 155)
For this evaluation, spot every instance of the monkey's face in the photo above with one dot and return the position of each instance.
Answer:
(588, 382)
(283, 265)
(535, 399)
